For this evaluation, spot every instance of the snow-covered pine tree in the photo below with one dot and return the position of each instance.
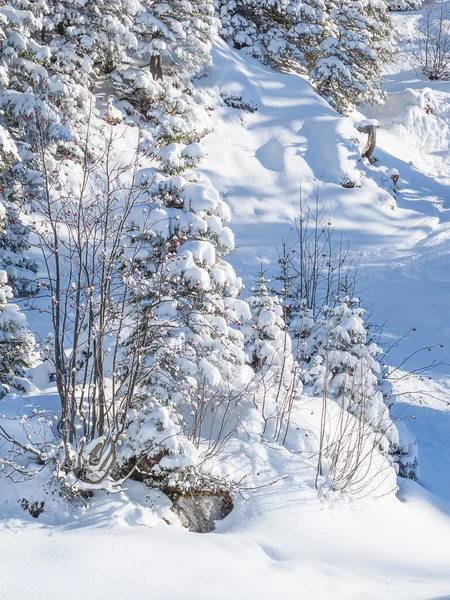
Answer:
(270, 350)
(267, 342)
(41, 100)
(176, 33)
(16, 342)
(39, 107)
(13, 232)
(14, 259)
(92, 32)
(105, 35)
(285, 33)
(294, 291)
(349, 65)
(179, 117)
(403, 5)
(17, 50)
(343, 367)
(181, 121)
(187, 318)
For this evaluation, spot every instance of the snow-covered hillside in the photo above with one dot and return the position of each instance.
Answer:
(295, 145)
(280, 144)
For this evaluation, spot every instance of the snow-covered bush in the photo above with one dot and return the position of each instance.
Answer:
(404, 453)
(40, 106)
(239, 103)
(138, 87)
(294, 277)
(267, 341)
(29, 113)
(179, 122)
(177, 118)
(313, 269)
(341, 367)
(14, 243)
(268, 344)
(13, 232)
(433, 53)
(103, 35)
(16, 341)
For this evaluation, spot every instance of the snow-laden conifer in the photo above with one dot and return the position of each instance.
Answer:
(276, 386)
(16, 341)
(14, 232)
(267, 342)
(100, 32)
(403, 5)
(188, 314)
(286, 33)
(343, 366)
(176, 33)
(40, 110)
(350, 61)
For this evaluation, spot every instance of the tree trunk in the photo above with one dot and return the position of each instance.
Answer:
(371, 131)
(156, 68)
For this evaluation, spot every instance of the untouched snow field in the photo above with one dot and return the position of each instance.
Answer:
(283, 541)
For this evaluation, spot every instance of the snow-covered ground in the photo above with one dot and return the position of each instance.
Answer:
(284, 544)
(283, 540)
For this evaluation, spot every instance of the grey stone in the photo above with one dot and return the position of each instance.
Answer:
(197, 512)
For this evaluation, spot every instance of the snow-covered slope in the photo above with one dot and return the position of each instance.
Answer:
(295, 144)
(282, 540)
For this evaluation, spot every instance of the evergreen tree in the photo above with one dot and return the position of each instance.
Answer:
(16, 342)
(96, 33)
(188, 318)
(267, 342)
(298, 315)
(286, 33)
(343, 365)
(13, 232)
(38, 121)
(176, 32)
(268, 345)
(348, 70)
(14, 243)
(403, 5)
(40, 105)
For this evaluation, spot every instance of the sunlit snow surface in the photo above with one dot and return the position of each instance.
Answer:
(283, 541)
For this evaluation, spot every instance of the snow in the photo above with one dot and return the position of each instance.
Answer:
(393, 236)
(202, 251)
(265, 548)
(283, 539)
(210, 372)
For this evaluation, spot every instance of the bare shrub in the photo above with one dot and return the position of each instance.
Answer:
(433, 54)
